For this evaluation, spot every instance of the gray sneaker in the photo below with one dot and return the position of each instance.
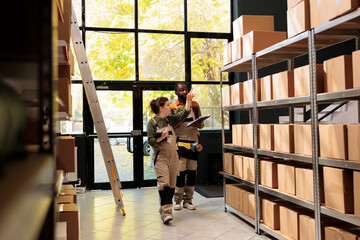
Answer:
(177, 206)
(189, 206)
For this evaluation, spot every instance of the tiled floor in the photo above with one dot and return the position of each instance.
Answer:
(99, 218)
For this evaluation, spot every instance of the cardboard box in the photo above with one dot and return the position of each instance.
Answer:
(226, 96)
(69, 213)
(238, 204)
(236, 93)
(69, 192)
(251, 205)
(248, 91)
(338, 74)
(66, 154)
(270, 214)
(227, 58)
(249, 169)
(245, 202)
(338, 185)
(64, 28)
(318, 12)
(334, 233)
(353, 140)
(283, 85)
(304, 184)
(237, 134)
(64, 72)
(289, 222)
(64, 88)
(256, 41)
(356, 69)
(284, 138)
(266, 136)
(286, 178)
(236, 49)
(356, 193)
(302, 80)
(266, 88)
(247, 23)
(248, 135)
(292, 3)
(67, 187)
(229, 163)
(307, 228)
(303, 139)
(298, 18)
(268, 174)
(65, 199)
(238, 166)
(338, 8)
(333, 141)
(228, 194)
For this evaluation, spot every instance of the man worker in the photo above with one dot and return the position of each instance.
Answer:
(187, 138)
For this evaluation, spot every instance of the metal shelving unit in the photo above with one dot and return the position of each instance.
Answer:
(308, 43)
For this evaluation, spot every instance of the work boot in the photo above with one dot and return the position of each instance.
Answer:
(167, 219)
(177, 206)
(189, 206)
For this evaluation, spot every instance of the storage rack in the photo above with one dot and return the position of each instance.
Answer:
(307, 43)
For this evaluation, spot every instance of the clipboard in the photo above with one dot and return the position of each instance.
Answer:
(198, 120)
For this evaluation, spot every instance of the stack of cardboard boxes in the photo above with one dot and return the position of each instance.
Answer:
(67, 211)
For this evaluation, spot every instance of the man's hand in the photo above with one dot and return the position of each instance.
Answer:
(190, 95)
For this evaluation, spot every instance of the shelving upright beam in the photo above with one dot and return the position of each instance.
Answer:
(255, 126)
(314, 131)
(222, 138)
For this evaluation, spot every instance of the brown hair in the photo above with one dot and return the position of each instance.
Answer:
(155, 104)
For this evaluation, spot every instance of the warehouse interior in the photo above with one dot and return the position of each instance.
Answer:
(279, 156)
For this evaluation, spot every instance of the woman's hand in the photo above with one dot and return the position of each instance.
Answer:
(165, 133)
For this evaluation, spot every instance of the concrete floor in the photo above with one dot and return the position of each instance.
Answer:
(99, 218)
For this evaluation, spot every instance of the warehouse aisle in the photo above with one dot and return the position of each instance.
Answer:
(100, 220)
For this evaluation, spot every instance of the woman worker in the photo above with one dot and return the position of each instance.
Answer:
(162, 138)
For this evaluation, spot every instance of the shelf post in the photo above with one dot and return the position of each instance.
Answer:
(314, 131)
(256, 160)
(222, 139)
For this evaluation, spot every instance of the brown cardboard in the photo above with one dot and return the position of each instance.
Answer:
(256, 41)
(245, 202)
(236, 49)
(237, 134)
(64, 72)
(238, 166)
(356, 69)
(228, 194)
(249, 169)
(302, 139)
(266, 88)
(268, 174)
(356, 194)
(69, 192)
(65, 199)
(227, 52)
(247, 23)
(64, 28)
(67, 187)
(66, 154)
(298, 18)
(283, 85)
(270, 214)
(69, 213)
(289, 222)
(302, 82)
(266, 136)
(236, 93)
(226, 96)
(338, 185)
(304, 184)
(338, 73)
(237, 203)
(229, 163)
(72, 63)
(333, 141)
(248, 135)
(248, 91)
(286, 178)
(251, 205)
(318, 12)
(284, 138)
(340, 7)
(334, 233)
(306, 228)
(292, 3)
(64, 88)
(353, 140)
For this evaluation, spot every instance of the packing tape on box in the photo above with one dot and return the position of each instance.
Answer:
(60, 207)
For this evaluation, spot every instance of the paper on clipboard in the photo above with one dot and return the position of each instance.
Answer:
(198, 120)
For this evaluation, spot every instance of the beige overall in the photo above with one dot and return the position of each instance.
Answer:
(185, 185)
(166, 164)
